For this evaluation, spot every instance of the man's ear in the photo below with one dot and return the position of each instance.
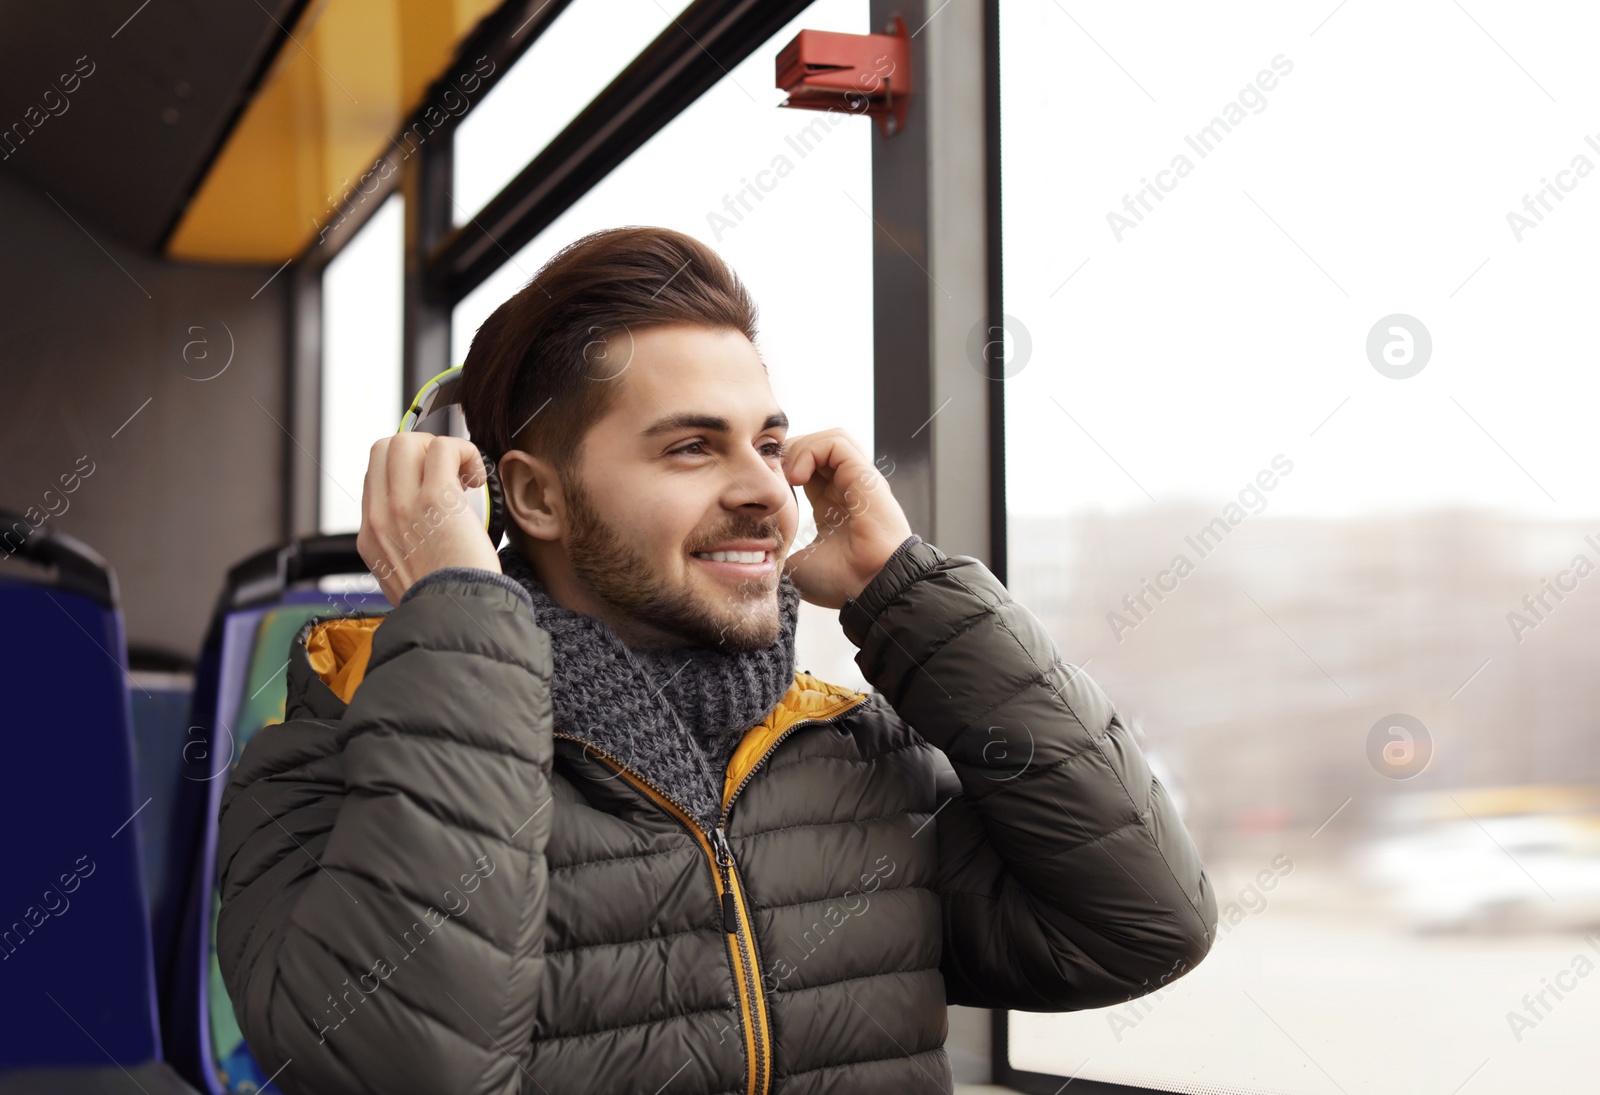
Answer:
(534, 502)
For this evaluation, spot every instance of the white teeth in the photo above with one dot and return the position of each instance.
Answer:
(733, 556)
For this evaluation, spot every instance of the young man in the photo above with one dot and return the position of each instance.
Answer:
(581, 782)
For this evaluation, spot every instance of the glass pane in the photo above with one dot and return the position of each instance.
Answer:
(1298, 467)
(576, 58)
(798, 235)
(362, 291)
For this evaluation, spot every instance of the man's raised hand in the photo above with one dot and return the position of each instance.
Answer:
(859, 523)
(414, 513)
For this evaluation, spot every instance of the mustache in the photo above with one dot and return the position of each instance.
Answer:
(765, 530)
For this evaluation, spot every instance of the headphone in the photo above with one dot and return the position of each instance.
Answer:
(489, 500)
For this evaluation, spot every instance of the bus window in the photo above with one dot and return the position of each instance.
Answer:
(361, 360)
(1296, 430)
(570, 63)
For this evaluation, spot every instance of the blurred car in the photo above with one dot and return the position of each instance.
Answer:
(1509, 859)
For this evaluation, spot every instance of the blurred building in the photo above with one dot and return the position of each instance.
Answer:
(1261, 675)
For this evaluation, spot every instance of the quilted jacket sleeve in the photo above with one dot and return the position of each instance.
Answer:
(1067, 878)
(409, 824)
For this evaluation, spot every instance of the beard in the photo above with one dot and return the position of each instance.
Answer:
(742, 620)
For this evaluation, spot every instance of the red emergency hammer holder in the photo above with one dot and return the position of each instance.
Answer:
(866, 74)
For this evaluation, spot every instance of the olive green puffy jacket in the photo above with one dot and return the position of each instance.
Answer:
(981, 830)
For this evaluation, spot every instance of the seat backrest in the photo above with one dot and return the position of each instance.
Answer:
(240, 688)
(169, 825)
(77, 980)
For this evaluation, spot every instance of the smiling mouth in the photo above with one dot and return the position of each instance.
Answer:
(734, 556)
(756, 564)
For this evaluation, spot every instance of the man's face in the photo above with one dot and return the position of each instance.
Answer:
(685, 464)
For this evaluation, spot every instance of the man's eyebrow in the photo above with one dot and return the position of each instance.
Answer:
(691, 420)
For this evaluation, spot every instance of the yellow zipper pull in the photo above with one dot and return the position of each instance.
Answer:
(730, 914)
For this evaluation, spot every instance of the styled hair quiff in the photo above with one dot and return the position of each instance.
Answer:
(561, 341)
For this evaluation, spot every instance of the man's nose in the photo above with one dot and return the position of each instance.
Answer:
(756, 482)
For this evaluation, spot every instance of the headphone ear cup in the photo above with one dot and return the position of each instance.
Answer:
(495, 525)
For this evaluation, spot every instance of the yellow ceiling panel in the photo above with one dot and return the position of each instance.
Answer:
(350, 73)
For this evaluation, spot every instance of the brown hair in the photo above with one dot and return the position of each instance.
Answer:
(537, 375)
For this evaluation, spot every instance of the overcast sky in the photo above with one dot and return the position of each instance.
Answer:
(1374, 178)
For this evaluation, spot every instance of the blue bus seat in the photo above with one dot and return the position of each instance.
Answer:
(239, 688)
(150, 1078)
(77, 978)
(170, 825)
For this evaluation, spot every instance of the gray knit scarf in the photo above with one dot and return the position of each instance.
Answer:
(675, 716)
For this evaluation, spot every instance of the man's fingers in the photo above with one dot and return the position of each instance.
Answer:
(821, 455)
(452, 464)
(374, 503)
(375, 492)
(410, 478)
(801, 462)
(472, 471)
(810, 455)
(374, 488)
(404, 478)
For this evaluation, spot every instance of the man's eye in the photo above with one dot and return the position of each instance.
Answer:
(690, 445)
(782, 449)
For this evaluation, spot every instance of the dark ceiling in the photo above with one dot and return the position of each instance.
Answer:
(164, 84)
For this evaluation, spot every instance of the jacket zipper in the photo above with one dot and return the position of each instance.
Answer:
(735, 914)
(764, 1031)
(749, 972)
